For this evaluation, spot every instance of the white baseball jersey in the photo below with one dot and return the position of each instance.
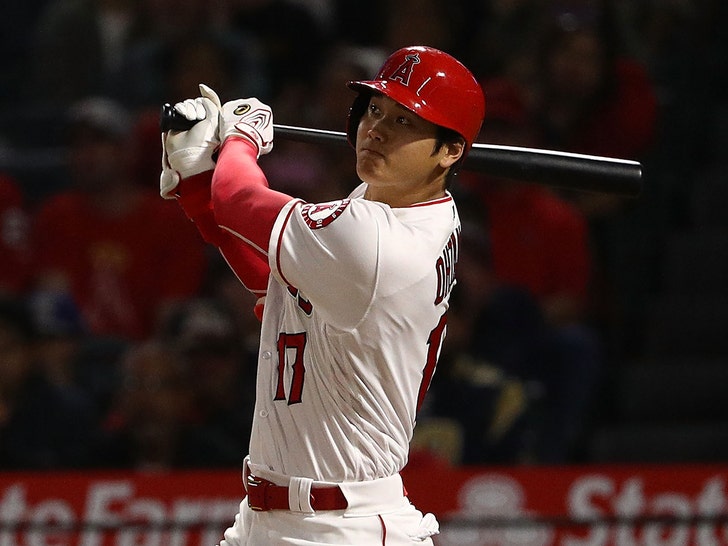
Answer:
(353, 324)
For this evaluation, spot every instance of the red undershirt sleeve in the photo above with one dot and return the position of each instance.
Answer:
(244, 205)
(249, 264)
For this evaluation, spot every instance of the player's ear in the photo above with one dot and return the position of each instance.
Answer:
(451, 152)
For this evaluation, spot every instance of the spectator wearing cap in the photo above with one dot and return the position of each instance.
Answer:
(59, 333)
(76, 47)
(108, 241)
(151, 412)
(43, 425)
(67, 356)
(222, 380)
(185, 398)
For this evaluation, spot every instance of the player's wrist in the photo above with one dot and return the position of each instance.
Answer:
(250, 137)
(241, 143)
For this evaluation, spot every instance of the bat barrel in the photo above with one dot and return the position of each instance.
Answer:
(558, 169)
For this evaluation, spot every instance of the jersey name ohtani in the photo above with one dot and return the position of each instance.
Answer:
(445, 266)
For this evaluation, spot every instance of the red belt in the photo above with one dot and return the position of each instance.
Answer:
(264, 495)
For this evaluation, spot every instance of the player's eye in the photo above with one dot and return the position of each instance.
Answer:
(403, 120)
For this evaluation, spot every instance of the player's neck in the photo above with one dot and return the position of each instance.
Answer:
(399, 196)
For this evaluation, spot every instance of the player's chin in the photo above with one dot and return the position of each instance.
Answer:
(370, 169)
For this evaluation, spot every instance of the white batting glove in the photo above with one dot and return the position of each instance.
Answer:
(187, 153)
(250, 119)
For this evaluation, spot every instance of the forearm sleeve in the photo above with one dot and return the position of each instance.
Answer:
(248, 264)
(193, 195)
(244, 205)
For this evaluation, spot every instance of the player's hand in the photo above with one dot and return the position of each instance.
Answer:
(187, 153)
(250, 119)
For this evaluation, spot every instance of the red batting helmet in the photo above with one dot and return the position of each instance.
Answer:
(430, 83)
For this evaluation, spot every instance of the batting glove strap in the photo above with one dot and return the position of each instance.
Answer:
(168, 182)
(193, 160)
(168, 179)
(250, 119)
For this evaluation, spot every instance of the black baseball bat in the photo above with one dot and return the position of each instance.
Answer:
(549, 167)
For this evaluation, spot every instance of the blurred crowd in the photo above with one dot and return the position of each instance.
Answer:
(125, 342)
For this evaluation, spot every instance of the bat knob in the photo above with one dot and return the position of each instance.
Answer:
(171, 120)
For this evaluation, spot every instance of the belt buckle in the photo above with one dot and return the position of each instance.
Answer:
(253, 483)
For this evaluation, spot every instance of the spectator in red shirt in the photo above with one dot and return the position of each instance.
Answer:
(108, 240)
(539, 242)
(592, 98)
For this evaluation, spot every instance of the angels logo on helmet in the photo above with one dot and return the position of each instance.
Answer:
(404, 71)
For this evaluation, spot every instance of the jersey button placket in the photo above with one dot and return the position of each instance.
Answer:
(265, 355)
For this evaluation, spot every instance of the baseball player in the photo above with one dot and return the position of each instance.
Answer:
(353, 296)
